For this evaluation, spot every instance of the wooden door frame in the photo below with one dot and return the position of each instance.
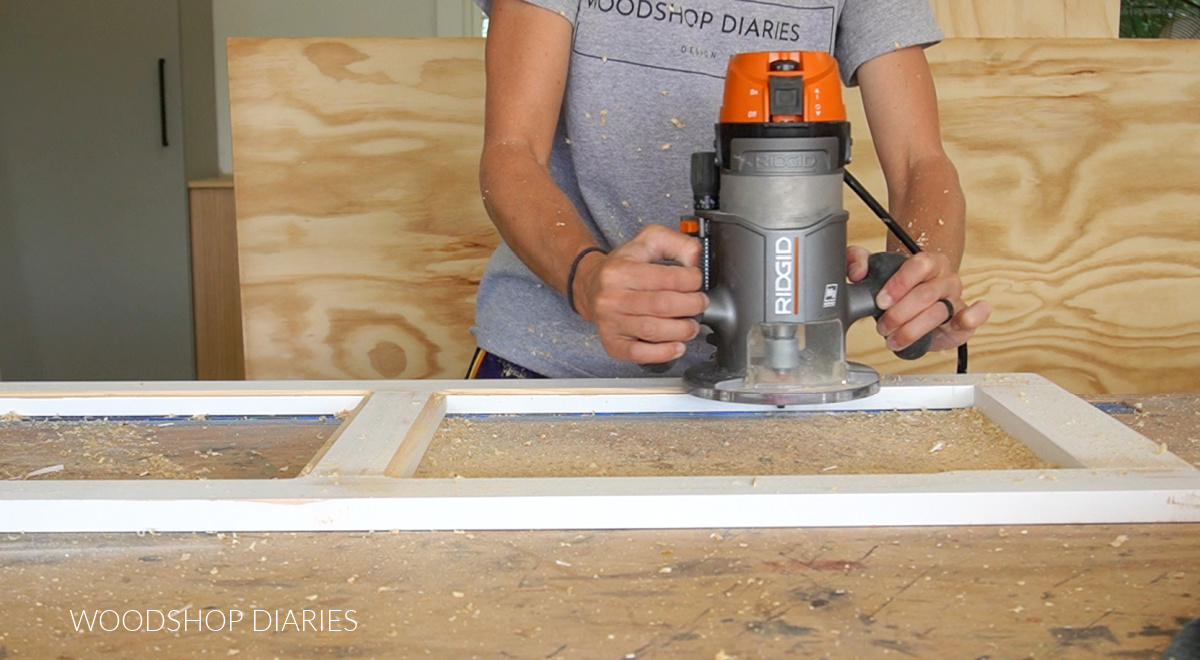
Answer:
(362, 478)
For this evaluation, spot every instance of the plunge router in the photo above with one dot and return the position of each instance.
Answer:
(769, 213)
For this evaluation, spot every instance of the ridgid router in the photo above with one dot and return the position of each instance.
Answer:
(769, 213)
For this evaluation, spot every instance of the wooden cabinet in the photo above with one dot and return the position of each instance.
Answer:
(216, 295)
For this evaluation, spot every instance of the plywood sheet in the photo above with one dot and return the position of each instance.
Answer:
(1080, 160)
(360, 229)
(1029, 18)
(361, 236)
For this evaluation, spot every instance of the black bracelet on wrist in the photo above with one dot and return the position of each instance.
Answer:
(571, 274)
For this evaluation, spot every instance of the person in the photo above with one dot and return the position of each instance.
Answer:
(593, 108)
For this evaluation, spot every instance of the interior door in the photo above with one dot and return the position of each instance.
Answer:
(94, 262)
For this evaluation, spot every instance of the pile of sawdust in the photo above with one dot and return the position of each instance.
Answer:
(175, 449)
(895, 442)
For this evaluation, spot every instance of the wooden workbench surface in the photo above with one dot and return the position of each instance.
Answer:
(1013, 592)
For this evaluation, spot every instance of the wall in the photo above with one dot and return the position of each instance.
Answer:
(93, 216)
(310, 18)
(15, 329)
(199, 89)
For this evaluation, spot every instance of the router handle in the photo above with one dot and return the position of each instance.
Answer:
(880, 268)
(656, 368)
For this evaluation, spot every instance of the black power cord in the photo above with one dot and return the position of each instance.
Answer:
(897, 231)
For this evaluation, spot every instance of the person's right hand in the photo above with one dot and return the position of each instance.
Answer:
(643, 310)
(912, 300)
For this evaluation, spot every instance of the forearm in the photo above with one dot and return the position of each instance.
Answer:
(928, 203)
(642, 311)
(527, 61)
(924, 194)
(535, 219)
(926, 199)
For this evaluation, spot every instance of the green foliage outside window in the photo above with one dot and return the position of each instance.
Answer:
(1145, 19)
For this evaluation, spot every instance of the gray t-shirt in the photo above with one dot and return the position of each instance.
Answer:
(643, 92)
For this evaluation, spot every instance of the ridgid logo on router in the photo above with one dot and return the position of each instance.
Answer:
(187, 620)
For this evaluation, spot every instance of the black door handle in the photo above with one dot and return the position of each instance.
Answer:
(162, 99)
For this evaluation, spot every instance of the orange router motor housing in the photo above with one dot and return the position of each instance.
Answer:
(780, 87)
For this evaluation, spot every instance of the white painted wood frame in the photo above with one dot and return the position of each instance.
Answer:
(361, 479)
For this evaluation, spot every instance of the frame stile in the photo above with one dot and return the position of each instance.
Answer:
(372, 437)
(1066, 430)
(333, 439)
(996, 408)
(405, 461)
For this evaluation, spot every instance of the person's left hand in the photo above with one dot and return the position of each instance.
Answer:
(912, 305)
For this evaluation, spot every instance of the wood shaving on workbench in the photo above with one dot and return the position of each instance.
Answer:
(1171, 420)
(895, 442)
(179, 448)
